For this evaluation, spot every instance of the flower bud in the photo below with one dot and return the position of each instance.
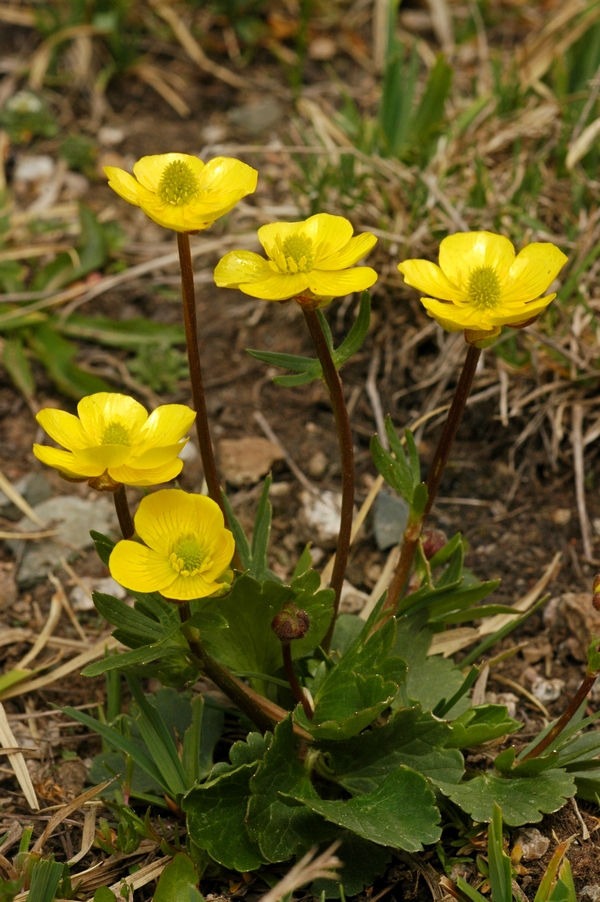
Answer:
(596, 591)
(291, 623)
(433, 541)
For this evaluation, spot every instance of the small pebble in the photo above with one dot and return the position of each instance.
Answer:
(561, 516)
(533, 844)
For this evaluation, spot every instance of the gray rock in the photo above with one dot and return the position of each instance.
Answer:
(390, 518)
(73, 517)
(34, 487)
(256, 117)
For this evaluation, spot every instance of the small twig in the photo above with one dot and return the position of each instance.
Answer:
(375, 400)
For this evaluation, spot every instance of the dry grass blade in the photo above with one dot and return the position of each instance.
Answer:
(309, 868)
(8, 741)
(65, 811)
(62, 597)
(42, 640)
(78, 663)
(88, 834)
(193, 48)
(39, 62)
(157, 79)
(13, 495)
(13, 15)
(565, 27)
(579, 470)
(142, 877)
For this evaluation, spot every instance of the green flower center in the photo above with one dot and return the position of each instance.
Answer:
(178, 185)
(116, 434)
(294, 254)
(189, 557)
(483, 289)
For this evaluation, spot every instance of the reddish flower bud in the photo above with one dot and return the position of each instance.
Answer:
(433, 541)
(596, 591)
(291, 623)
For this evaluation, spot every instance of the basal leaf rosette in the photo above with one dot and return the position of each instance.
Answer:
(113, 441)
(312, 261)
(180, 192)
(481, 285)
(187, 550)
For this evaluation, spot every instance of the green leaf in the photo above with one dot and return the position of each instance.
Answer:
(499, 861)
(362, 862)
(176, 879)
(260, 536)
(480, 724)
(564, 891)
(158, 740)
(281, 828)
(216, 818)
(103, 545)
(249, 645)
(104, 894)
(121, 615)
(410, 737)
(57, 356)
(128, 333)
(357, 334)
(118, 741)
(241, 542)
(291, 362)
(18, 367)
(523, 800)
(395, 471)
(400, 813)
(45, 878)
(355, 691)
(143, 655)
(430, 112)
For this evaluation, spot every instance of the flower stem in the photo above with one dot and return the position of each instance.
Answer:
(191, 335)
(569, 712)
(455, 414)
(123, 512)
(224, 680)
(293, 680)
(434, 477)
(342, 421)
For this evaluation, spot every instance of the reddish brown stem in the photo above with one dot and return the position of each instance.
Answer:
(434, 478)
(344, 431)
(567, 715)
(123, 512)
(224, 680)
(188, 294)
(293, 680)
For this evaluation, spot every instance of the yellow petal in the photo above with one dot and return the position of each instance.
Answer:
(522, 312)
(277, 286)
(239, 267)
(169, 513)
(139, 568)
(165, 425)
(328, 233)
(98, 410)
(124, 184)
(227, 176)
(185, 588)
(157, 456)
(156, 476)
(465, 251)
(149, 170)
(104, 456)
(171, 216)
(357, 248)
(337, 284)
(66, 462)
(533, 271)
(63, 427)
(455, 319)
(426, 276)
(223, 547)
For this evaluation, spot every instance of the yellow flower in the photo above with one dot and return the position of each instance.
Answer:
(113, 440)
(309, 259)
(481, 285)
(180, 192)
(187, 550)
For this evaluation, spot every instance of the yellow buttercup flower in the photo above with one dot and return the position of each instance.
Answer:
(481, 285)
(114, 441)
(180, 192)
(314, 259)
(187, 551)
